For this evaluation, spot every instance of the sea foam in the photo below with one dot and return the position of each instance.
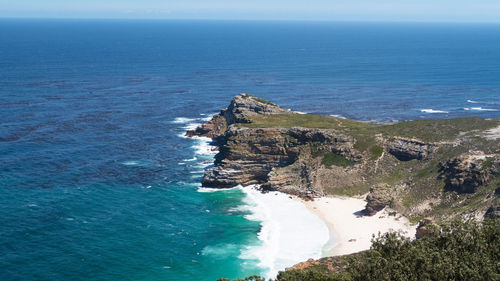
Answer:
(289, 233)
(479, 109)
(429, 110)
(182, 120)
(338, 116)
(202, 146)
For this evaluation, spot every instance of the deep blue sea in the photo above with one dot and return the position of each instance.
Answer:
(97, 182)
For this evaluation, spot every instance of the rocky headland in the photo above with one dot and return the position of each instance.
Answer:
(426, 168)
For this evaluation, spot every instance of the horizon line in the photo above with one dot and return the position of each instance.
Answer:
(244, 20)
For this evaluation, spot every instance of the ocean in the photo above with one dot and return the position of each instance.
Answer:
(97, 181)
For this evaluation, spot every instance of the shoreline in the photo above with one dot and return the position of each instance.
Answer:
(350, 231)
(290, 233)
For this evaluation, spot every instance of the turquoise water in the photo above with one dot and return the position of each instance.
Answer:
(96, 181)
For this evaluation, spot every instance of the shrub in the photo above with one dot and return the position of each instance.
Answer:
(459, 250)
(376, 151)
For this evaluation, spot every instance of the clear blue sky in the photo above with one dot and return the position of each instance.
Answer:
(334, 10)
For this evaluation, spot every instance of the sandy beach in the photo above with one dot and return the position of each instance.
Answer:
(351, 231)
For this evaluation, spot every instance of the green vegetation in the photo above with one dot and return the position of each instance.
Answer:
(459, 250)
(303, 120)
(376, 151)
(264, 101)
(488, 163)
(247, 96)
(426, 130)
(330, 159)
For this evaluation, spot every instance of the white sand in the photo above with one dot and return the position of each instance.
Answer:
(350, 233)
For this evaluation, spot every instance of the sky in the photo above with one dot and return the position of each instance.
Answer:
(320, 10)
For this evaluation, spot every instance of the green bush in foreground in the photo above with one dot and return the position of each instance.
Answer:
(457, 251)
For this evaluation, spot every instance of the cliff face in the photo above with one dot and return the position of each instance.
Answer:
(419, 168)
(240, 110)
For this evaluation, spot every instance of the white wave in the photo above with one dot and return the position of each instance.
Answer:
(209, 189)
(429, 110)
(136, 163)
(300, 112)
(479, 109)
(190, 159)
(191, 126)
(338, 116)
(207, 118)
(202, 146)
(289, 232)
(472, 101)
(183, 120)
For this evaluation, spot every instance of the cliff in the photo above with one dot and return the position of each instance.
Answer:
(437, 168)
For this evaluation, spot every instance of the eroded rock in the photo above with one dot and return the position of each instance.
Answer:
(379, 197)
(406, 149)
(467, 173)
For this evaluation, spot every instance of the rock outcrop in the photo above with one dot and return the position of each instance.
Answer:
(380, 196)
(406, 149)
(494, 209)
(240, 110)
(468, 172)
(245, 106)
(255, 156)
(214, 128)
(425, 228)
(247, 155)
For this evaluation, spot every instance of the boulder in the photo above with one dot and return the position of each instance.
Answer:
(379, 197)
(424, 228)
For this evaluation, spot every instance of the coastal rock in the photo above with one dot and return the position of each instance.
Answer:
(240, 110)
(212, 129)
(254, 156)
(247, 156)
(245, 106)
(378, 198)
(468, 172)
(406, 149)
